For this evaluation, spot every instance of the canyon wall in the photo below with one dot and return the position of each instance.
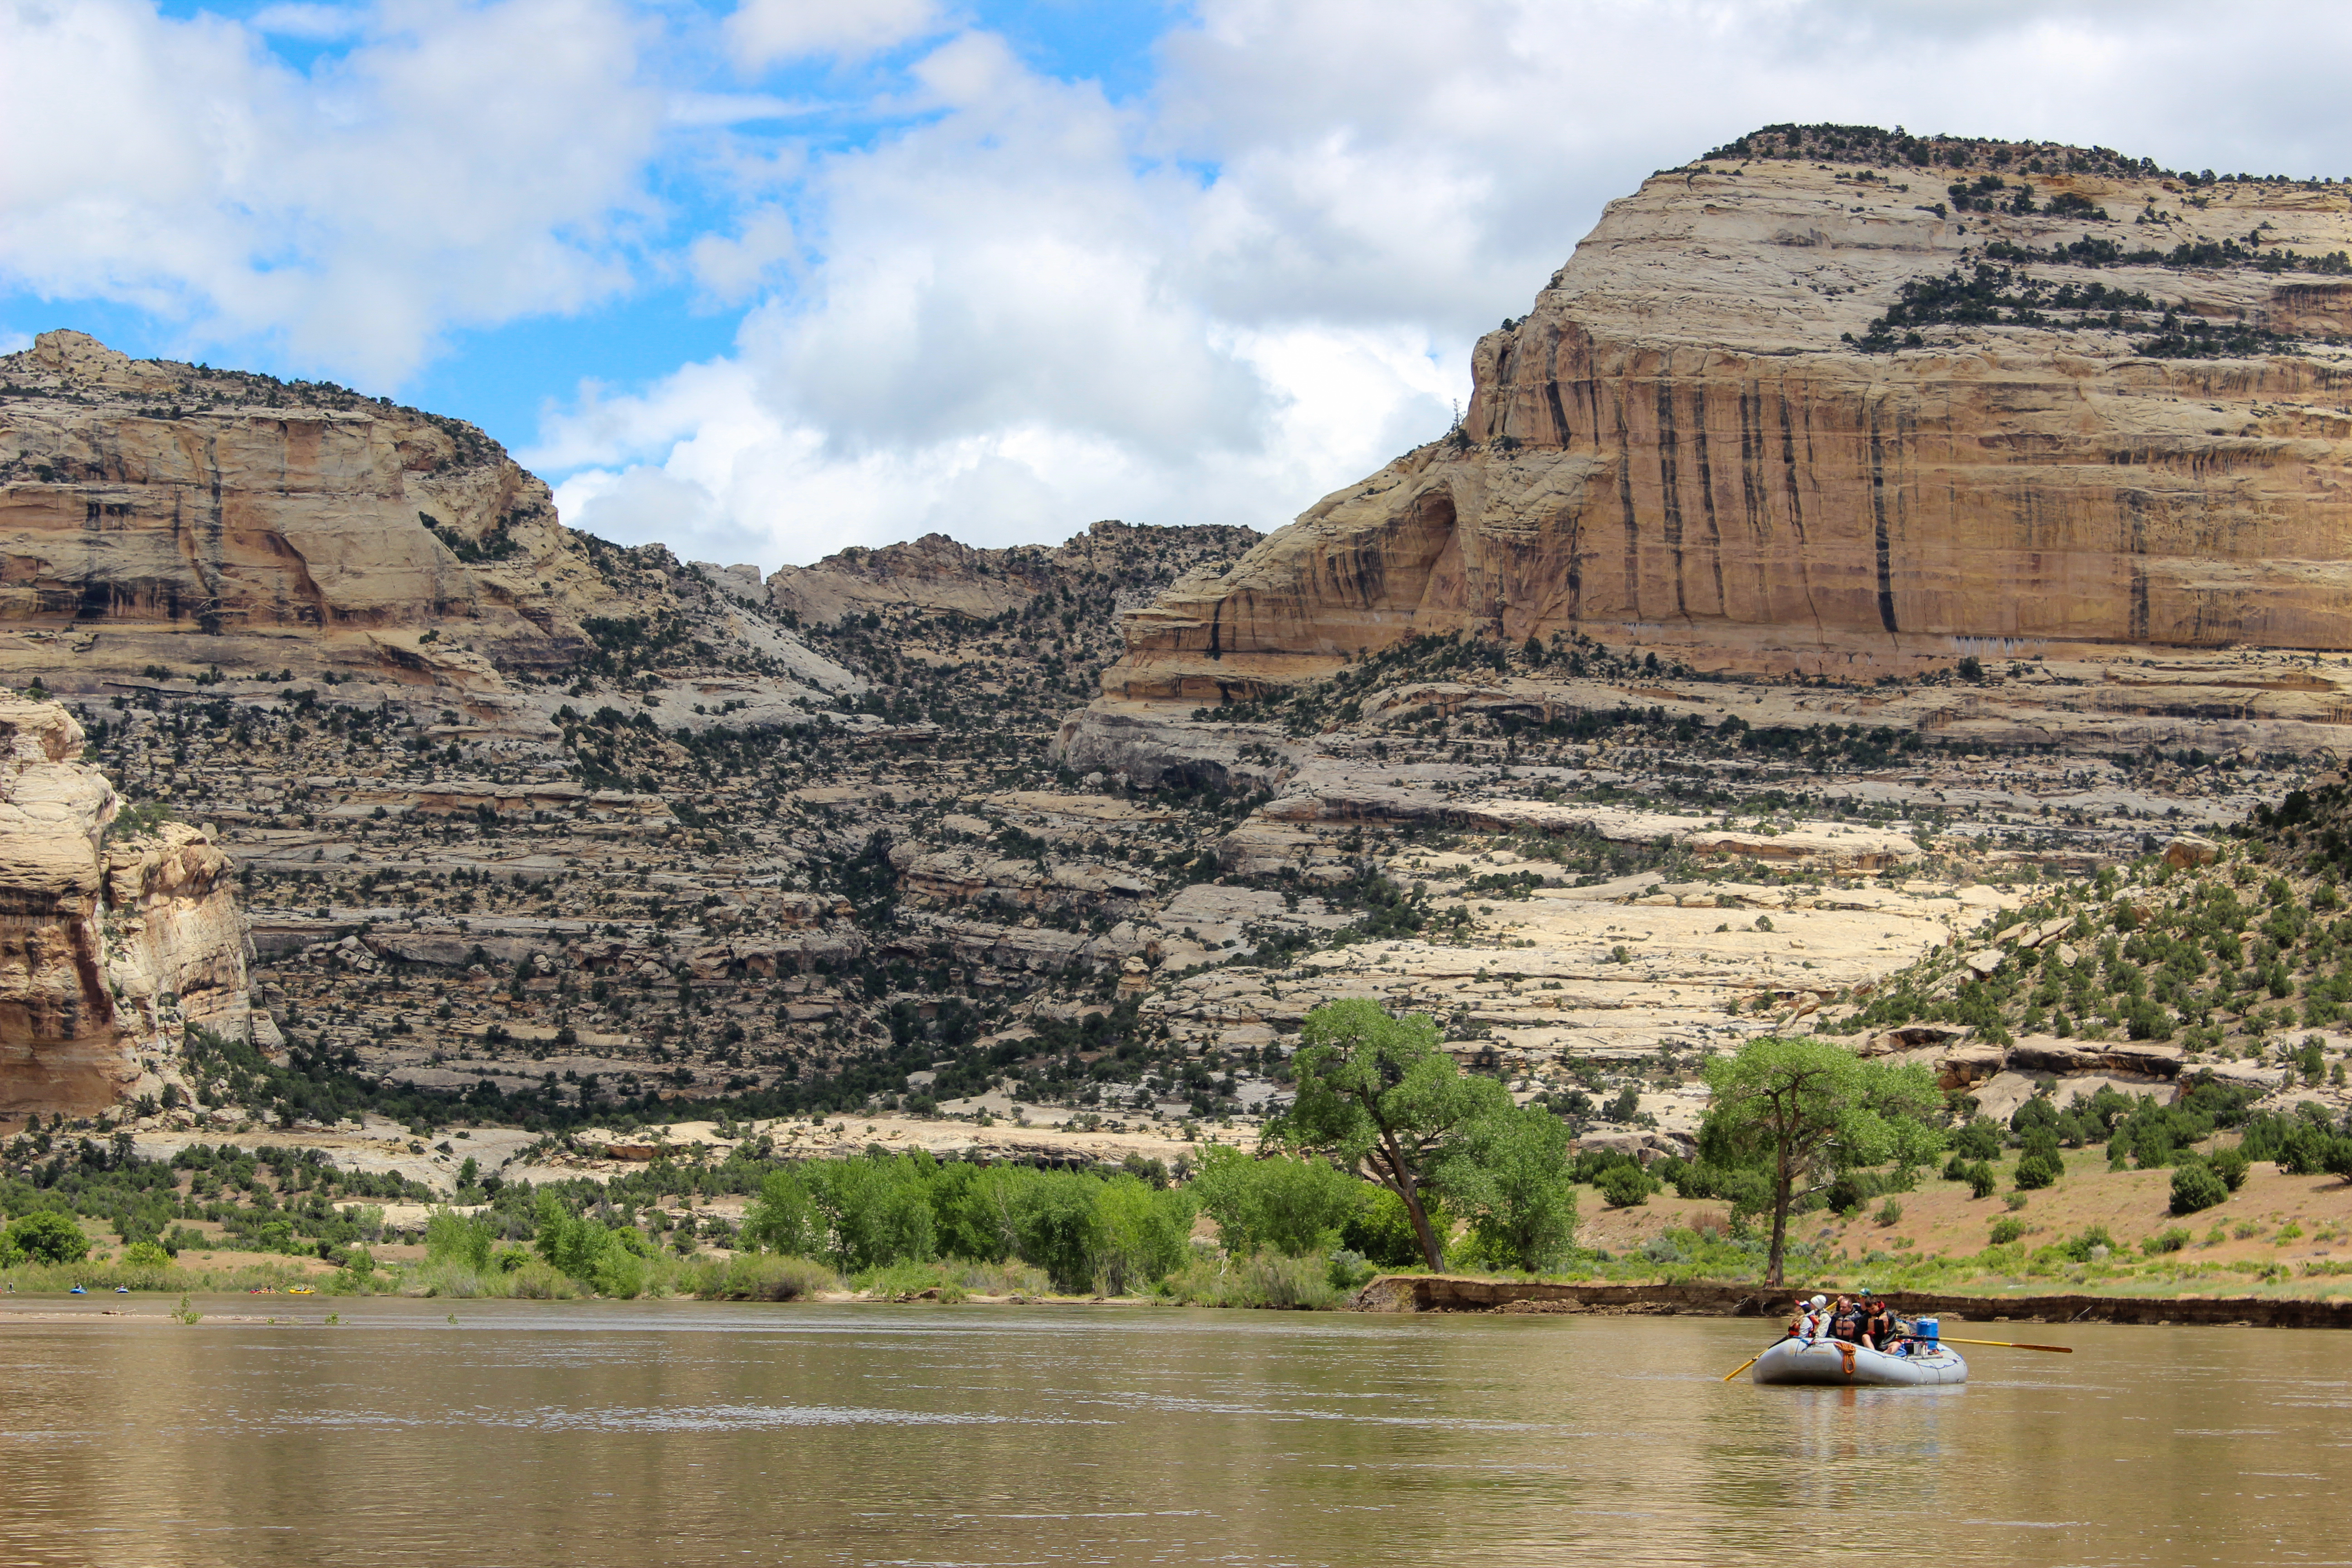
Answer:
(111, 943)
(1724, 430)
(159, 520)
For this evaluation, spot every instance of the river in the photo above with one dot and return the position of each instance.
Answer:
(689, 1432)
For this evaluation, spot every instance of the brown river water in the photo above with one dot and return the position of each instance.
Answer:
(689, 1432)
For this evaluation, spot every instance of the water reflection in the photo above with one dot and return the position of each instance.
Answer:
(688, 1433)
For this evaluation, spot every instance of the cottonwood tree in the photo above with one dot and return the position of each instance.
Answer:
(1799, 1112)
(1378, 1096)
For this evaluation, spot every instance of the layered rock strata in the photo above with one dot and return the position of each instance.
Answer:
(110, 943)
(162, 522)
(1685, 445)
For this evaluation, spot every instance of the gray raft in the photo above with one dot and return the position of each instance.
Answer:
(1827, 1364)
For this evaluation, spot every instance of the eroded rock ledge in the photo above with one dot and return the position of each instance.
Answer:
(110, 945)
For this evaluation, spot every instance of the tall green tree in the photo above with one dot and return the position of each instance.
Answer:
(1801, 1112)
(783, 1217)
(1059, 1227)
(1507, 1173)
(1144, 1232)
(876, 1207)
(1378, 1096)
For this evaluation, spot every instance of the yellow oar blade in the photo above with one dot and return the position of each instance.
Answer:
(2011, 1345)
(1743, 1366)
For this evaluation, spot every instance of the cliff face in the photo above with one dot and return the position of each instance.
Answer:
(159, 515)
(109, 945)
(1812, 413)
(937, 577)
(148, 493)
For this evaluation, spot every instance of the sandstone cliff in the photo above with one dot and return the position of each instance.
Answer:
(157, 517)
(936, 576)
(1811, 403)
(110, 943)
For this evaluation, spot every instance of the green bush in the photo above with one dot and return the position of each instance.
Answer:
(2005, 1231)
(146, 1255)
(456, 1239)
(1298, 1208)
(2232, 1165)
(1625, 1186)
(2196, 1187)
(1382, 1233)
(2039, 1169)
(609, 1260)
(2170, 1240)
(2079, 1248)
(1260, 1280)
(44, 1238)
(1980, 1140)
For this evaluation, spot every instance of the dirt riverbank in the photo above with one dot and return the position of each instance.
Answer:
(1453, 1294)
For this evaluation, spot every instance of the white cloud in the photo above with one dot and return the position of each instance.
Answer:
(763, 32)
(308, 21)
(1019, 304)
(461, 164)
(731, 270)
(1033, 306)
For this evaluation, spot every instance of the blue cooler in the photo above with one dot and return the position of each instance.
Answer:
(1926, 1330)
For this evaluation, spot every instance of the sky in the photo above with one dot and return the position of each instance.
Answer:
(762, 278)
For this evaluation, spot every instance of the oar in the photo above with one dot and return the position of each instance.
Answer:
(1751, 1360)
(2009, 1345)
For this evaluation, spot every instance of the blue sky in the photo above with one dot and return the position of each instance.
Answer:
(764, 277)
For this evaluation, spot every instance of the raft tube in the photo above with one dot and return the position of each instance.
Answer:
(1828, 1364)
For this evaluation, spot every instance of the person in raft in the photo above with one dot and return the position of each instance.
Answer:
(1845, 1322)
(1877, 1322)
(1811, 1321)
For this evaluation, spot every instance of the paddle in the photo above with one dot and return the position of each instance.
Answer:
(2009, 1345)
(1743, 1366)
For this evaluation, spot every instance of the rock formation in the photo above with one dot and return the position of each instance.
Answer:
(935, 577)
(158, 518)
(111, 943)
(1851, 404)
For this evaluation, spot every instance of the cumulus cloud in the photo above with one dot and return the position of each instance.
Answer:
(460, 165)
(763, 32)
(1035, 305)
(308, 21)
(977, 296)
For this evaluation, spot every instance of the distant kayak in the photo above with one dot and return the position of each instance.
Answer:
(302, 1290)
(77, 1290)
(1828, 1364)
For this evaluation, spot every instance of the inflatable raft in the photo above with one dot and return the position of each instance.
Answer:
(1828, 1364)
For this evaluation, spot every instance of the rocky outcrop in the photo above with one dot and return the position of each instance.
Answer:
(936, 576)
(159, 495)
(1685, 444)
(162, 520)
(111, 943)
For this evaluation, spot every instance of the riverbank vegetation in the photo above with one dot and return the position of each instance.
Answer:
(1813, 1166)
